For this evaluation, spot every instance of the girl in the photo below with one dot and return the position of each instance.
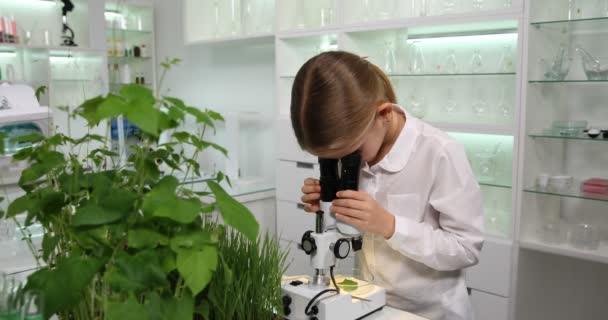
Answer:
(419, 205)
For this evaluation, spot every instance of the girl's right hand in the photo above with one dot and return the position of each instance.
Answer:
(312, 194)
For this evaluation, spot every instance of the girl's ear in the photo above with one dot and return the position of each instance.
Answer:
(385, 110)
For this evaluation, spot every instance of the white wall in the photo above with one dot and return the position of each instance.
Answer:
(223, 77)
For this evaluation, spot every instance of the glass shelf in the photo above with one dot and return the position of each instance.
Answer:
(577, 25)
(599, 255)
(127, 32)
(127, 59)
(584, 138)
(572, 192)
(566, 81)
(447, 75)
(116, 84)
(495, 185)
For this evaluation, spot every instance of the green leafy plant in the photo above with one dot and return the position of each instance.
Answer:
(123, 240)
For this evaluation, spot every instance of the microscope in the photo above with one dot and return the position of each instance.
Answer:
(320, 296)
(68, 33)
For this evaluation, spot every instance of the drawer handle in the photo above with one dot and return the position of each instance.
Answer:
(305, 165)
(300, 206)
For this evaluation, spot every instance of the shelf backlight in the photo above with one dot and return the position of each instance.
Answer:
(112, 15)
(60, 59)
(468, 39)
(46, 3)
(7, 54)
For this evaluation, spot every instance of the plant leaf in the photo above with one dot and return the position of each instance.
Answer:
(111, 106)
(51, 202)
(215, 116)
(39, 92)
(88, 110)
(201, 116)
(169, 307)
(94, 215)
(136, 272)
(62, 287)
(197, 266)
(162, 202)
(193, 240)
(19, 205)
(49, 243)
(146, 239)
(234, 213)
(127, 310)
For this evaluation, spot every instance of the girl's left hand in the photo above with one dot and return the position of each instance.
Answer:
(363, 212)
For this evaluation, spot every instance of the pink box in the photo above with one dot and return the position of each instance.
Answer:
(595, 186)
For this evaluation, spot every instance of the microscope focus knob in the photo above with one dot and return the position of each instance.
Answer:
(308, 243)
(341, 248)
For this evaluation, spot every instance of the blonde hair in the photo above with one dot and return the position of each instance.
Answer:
(334, 99)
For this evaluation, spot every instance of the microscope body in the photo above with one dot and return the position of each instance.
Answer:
(331, 240)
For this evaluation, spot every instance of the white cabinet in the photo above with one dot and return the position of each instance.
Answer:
(288, 147)
(493, 273)
(489, 307)
(293, 221)
(290, 178)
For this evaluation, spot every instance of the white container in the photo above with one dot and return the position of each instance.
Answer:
(125, 74)
(561, 182)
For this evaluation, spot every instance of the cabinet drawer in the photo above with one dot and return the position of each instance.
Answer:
(293, 221)
(489, 307)
(493, 273)
(288, 147)
(290, 178)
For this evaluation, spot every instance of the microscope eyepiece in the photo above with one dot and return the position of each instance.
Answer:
(349, 176)
(330, 179)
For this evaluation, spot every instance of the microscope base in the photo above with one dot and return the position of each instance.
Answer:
(331, 306)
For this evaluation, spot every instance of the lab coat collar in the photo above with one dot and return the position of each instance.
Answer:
(396, 159)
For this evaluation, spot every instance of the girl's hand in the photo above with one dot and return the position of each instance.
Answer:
(363, 212)
(312, 195)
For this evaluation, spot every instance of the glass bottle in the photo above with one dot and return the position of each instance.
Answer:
(366, 10)
(602, 7)
(450, 64)
(390, 61)
(387, 9)
(507, 4)
(450, 6)
(418, 106)
(301, 14)
(450, 105)
(234, 17)
(247, 16)
(505, 64)
(417, 64)
(216, 15)
(476, 62)
(504, 107)
(477, 4)
(480, 106)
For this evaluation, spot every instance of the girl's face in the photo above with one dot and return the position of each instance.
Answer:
(372, 141)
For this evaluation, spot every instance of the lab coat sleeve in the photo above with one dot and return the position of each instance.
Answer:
(456, 242)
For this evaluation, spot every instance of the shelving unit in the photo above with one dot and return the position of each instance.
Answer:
(557, 89)
(70, 74)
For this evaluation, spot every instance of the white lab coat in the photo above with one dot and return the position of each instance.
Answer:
(427, 183)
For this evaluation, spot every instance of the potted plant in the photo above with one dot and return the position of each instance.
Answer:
(127, 241)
